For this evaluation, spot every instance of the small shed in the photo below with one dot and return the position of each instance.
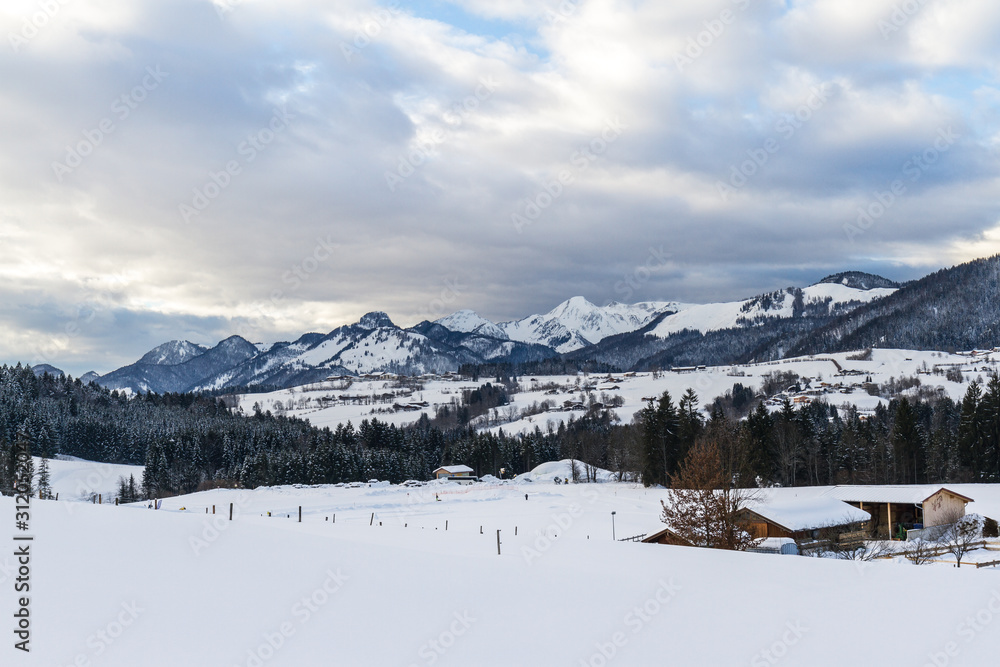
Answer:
(453, 471)
(667, 536)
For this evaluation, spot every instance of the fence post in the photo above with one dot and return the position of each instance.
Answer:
(230, 511)
(498, 543)
(372, 522)
(300, 513)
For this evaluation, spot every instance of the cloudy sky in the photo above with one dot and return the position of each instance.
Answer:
(175, 169)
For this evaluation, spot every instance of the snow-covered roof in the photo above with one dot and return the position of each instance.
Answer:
(455, 470)
(915, 494)
(808, 513)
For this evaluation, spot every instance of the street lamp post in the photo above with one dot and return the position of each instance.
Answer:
(613, 526)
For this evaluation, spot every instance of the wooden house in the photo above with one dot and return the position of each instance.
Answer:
(445, 472)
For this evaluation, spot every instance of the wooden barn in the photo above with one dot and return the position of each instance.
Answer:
(816, 519)
(895, 510)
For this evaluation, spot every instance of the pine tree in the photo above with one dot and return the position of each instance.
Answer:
(44, 480)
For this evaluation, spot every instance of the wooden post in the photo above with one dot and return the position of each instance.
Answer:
(230, 511)
(116, 503)
(498, 543)
(515, 531)
(446, 524)
(100, 500)
(300, 513)
(213, 509)
(335, 517)
(480, 530)
(372, 522)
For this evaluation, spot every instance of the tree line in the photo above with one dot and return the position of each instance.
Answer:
(189, 441)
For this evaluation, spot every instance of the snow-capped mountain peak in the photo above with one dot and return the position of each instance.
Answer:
(375, 320)
(577, 322)
(469, 321)
(173, 353)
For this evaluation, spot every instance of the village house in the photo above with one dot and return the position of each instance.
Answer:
(445, 472)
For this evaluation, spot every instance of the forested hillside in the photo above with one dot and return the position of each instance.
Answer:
(188, 441)
(952, 309)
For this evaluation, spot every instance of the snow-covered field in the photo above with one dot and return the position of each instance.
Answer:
(76, 479)
(405, 577)
(332, 403)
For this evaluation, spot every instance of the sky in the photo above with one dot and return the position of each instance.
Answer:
(192, 169)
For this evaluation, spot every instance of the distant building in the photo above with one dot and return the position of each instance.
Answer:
(453, 471)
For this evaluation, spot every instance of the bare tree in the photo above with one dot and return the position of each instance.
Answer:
(962, 533)
(866, 551)
(704, 508)
(921, 552)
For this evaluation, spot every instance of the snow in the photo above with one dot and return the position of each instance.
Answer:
(468, 321)
(322, 404)
(576, 322)
(717, 316)
(808, 513)
(76, 479)
(126, 585)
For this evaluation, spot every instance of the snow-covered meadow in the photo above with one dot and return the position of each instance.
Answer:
(340, 401)
(411, 576)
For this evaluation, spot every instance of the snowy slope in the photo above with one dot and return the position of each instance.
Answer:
(172, 353)
(468, 321)
(125, 586)
(576, 323)
(781, 304)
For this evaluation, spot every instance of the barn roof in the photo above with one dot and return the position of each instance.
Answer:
(455, 470)
(911, 494)
(795, 514)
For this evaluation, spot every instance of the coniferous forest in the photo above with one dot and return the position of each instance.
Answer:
(191, 441)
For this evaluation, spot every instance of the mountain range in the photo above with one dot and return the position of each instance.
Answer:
(955, 308)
